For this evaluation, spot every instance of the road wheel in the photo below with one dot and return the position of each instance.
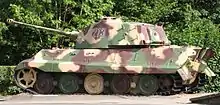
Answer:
(94, 83)
(148, 84)
(68, 83)
(44, 83)
(120, 84)
(26, 77)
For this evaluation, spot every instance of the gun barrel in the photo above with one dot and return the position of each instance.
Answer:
(11, 21)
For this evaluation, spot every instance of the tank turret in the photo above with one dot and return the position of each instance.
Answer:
(111, 32)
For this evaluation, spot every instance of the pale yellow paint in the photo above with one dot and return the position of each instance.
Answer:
(115, 66)
(158, 52)
(116, 25)
(80, 38)
(39, 56)
(117, 59)
(124, 42)
(184, 56)
(66, 66)
(195, 65)
(185, 73)
(110, 58)
(37, 63)
(137, 69)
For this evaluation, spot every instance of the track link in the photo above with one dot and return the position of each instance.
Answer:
(197, 85)
(177, 87)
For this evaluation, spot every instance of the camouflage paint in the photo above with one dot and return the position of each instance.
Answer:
(93, 52)
(109, 31)
(164, 59)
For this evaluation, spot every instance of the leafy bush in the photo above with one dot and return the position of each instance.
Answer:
(187, 22)
(7, 83)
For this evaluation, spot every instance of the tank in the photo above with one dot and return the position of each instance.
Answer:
(112, 56)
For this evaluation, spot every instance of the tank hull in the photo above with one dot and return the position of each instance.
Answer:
(164, 69)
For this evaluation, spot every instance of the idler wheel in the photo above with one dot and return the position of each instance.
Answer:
(26, 77)
(166, 83)
(68, 83)
(44, 83)
(120, 84)
(148, 84)
(94, 83)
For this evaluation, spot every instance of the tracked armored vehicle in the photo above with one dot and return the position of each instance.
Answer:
(115, 57)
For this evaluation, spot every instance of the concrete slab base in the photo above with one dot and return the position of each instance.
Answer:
(2, 98)
(180, 99)
(213, 99)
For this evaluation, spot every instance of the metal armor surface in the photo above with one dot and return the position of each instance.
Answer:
(113, 56)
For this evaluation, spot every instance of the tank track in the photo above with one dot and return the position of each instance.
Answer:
(177, 87)
(197, 85)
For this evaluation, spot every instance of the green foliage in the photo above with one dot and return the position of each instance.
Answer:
(7, 83)
(144, 11)
(3, 27)
(187, 22)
